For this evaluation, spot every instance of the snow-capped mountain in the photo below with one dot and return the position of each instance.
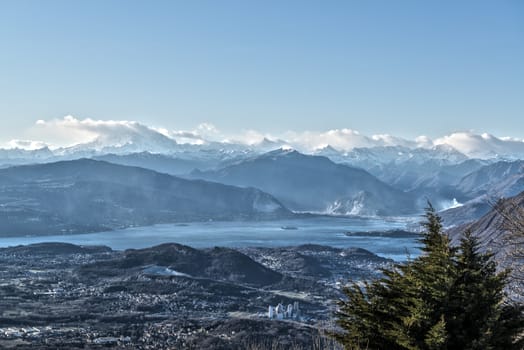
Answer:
(88, 137)
(386, 155)
(18, 153)
(129, 142)
(484, 146)
(408, 170)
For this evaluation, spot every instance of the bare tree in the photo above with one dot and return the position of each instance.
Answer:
(511, 226)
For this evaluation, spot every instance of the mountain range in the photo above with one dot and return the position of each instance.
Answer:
(388, 177)
(125, 136)
(298, 181)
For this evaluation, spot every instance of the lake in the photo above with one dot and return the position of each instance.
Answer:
(317, 230)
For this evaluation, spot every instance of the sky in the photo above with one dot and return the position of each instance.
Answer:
(405, 68)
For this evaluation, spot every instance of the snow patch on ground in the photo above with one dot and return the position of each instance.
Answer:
(163, 271)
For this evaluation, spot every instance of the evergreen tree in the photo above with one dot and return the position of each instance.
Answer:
(478, 317)
(446, 298)
(432, 278)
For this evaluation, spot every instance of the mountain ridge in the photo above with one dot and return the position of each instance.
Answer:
(88, 195)
(314, 183)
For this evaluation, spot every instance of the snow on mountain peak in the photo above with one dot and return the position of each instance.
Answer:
(89, 136)
(28, 145)
(484, 146)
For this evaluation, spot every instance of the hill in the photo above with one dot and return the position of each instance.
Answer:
(87, 195)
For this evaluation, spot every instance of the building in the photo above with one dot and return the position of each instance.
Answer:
(280, 312)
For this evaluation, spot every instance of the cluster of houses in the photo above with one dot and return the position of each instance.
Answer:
(280, 312)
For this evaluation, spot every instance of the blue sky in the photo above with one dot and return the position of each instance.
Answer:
(400, 67)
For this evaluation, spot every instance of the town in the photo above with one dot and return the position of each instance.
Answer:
(93, 297)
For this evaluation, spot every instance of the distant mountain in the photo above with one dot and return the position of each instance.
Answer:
(87, 195)
(435, 176)
(412, 171)
(371, 157)
(405, 168)
(424, 172)
(18, 156)
(135, 137)
(315, 183)
(181, 162)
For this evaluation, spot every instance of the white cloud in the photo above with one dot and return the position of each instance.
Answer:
(102, 133)
(423, 141)
(389, 140)
(472, 145)
(99, 133)
(69, 131)
(483, 145)
(247, 137)
(28, 145)
(189, 137)
(61, 132)
(202, 134)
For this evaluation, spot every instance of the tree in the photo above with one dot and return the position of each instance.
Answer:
(477, 313)
(447, 298)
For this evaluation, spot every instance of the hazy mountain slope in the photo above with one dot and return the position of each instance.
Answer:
(432, 175)
(88, 195)
(314, 183)
(483, 187)
(489, 228)
(503, 179)
(493, 234)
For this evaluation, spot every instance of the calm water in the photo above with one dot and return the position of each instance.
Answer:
(319, 230)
